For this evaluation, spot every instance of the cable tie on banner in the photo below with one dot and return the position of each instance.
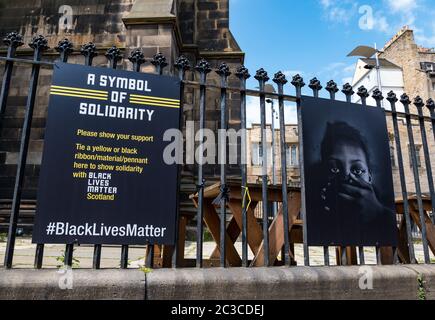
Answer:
(201, 186)
(224, 195)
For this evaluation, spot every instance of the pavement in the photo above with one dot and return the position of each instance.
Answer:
(110, 259)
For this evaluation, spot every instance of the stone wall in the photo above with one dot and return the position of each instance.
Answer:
(404, 52)
(298, 283)
(409, 175)
(81, 21)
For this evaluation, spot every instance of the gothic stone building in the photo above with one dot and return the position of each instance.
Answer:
(195, 28)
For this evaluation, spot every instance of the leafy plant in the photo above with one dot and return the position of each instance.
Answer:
(145, 269)
(421, 288)
(61, 259)
(207, 236)
(3, 237)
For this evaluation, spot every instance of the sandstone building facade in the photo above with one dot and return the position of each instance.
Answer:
(254, 157)
(413, 66)
(417, 63)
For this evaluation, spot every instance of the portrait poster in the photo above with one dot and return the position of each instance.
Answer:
(349, 191)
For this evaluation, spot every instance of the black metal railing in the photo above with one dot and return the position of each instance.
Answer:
(202, 88)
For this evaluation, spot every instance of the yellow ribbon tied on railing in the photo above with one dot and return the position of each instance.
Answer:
(246, 195)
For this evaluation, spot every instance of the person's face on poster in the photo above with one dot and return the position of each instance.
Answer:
(348, 175)
(348, 162)
(348, 184)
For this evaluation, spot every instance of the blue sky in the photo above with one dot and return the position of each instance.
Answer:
(313, 37)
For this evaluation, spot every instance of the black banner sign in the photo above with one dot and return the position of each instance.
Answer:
(348, 175)
(103, 178)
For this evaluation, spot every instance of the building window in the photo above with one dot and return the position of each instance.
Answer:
(418, 154)
(292, 155)
(393, 155)
(257, 154)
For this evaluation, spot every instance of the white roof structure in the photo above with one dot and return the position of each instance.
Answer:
(365, 75)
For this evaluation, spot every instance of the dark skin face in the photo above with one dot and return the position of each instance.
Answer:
(350, 180)
(348, 163)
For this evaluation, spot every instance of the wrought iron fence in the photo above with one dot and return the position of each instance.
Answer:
(415, 208)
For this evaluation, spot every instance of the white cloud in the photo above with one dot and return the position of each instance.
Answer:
(404, 12)
(347, 73)
(290, 73)
(326, 3)
(333, 70)
(390, 16)
(339, 11)
(338, 71)
(402, 5)
(425, 37)
(427, 41)
(414, 13)
(350, 68)
(347, 80)
(334, 66)
(337, 14)
(381, 24)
